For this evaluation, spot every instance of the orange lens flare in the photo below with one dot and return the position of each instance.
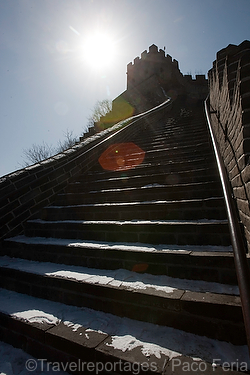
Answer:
(121, 156)
(141, 267)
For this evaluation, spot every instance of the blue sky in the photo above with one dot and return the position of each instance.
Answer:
(46, 84)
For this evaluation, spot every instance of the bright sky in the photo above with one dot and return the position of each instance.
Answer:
(50, 77)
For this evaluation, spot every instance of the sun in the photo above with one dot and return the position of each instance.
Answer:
(99, 50)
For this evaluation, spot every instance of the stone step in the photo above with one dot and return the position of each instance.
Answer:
(172, 157)
(194, 307)
(178, 126)
(210, 208)
(181, 129)
(207, 263)
(199, 232)
(167, 140)
(171, 139)
(75, 195)
(151, 142)
(176, 153)
(124, 180)
(150, 244)
(89, 340)
(161, 166)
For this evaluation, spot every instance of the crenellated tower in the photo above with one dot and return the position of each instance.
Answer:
(151, 79)
(154, 62)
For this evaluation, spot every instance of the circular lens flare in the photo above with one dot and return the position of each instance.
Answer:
(121, 157)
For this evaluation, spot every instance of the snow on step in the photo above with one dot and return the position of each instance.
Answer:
(148, 186)
(116, 278)
(152, 202)
(121, 246)
(126, 333)
(133, 222)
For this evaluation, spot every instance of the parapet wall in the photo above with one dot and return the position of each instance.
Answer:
(26, 191)
(229, 86)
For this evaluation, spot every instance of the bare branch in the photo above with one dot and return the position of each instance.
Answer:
(101, 108)
(69, 141)
(37, 153)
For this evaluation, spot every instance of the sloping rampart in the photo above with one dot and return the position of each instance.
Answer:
(24, 192)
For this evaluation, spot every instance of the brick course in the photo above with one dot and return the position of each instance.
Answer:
(229, 85)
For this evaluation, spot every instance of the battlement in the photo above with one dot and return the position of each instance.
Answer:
(200, 79)
(152, 55)
(155, 61)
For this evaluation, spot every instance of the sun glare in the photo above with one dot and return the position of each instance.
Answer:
(99, 50)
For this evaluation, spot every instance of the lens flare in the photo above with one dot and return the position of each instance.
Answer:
(121, 157)
(141, 267)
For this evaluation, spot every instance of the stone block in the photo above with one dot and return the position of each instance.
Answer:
(75, 340)
(33, 330)
(18, 220)
(7, 191)
(243, 206)
(240, 192)
(44, 171)
(213, 305)
(30, 195)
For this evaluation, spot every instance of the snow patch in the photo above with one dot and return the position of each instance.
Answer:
(128, 246)
(130, 222)
(35, 316)
(73, 326)
(131, 280)
(125, 332)
(128, 343)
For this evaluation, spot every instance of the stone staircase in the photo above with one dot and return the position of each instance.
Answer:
(147, 243)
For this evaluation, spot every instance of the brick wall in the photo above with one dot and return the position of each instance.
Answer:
(24, 192)
(229, 86)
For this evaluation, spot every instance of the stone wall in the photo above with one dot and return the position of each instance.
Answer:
(166, 73)
(229, 86)
(151, 63)
(26, 191)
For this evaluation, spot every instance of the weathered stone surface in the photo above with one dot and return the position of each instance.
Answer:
(230, 97)
(132, 359)
(75, 340)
